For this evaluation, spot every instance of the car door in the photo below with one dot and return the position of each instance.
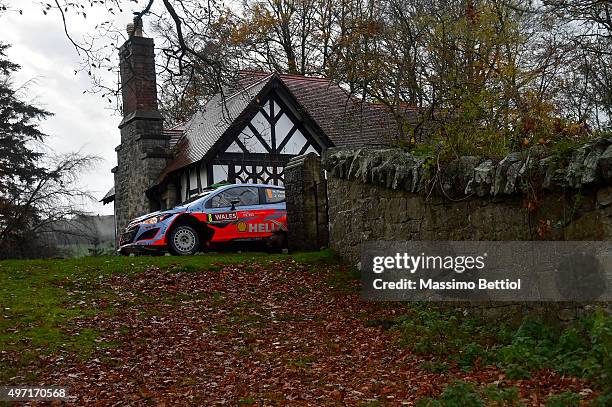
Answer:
(274, 214)
(235, 224)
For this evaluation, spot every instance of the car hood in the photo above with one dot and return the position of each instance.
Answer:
(178, 209)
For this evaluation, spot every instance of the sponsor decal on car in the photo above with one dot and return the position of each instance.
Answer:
(242, 227)
(274, 194)
(222, 217)
(267, 227)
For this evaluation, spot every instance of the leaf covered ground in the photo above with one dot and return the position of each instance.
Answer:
(232, 329)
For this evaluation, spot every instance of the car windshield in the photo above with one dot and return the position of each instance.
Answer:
(198, 196)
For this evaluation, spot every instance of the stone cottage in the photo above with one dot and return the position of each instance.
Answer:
(245, 135)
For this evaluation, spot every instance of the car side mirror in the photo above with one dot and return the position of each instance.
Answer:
(234, 202)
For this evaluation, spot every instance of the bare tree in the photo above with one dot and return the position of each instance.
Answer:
(586, 92)
(494, 68)
(30, 210)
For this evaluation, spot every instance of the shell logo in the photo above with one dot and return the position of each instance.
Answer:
(242, 227)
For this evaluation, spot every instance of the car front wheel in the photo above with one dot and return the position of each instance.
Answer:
(183, 241)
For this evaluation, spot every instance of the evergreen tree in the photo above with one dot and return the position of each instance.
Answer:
(37, 189)
(19, 132)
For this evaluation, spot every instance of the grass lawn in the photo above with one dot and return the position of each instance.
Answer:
(40, 298)
(262, 329)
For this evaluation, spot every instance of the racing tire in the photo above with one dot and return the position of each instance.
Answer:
(183, 241)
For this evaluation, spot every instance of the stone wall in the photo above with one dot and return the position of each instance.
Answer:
(305, 191)
(391, 195)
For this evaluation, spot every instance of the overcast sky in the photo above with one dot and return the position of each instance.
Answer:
(82, 122)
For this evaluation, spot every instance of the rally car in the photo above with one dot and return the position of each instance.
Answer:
(216, 217)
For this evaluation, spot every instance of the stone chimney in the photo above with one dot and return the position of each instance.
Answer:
(144, 150)
(137, 70)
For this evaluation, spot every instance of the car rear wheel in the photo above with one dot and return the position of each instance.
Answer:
(183, 241)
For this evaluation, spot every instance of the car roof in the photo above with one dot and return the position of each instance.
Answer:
(223, 188)
(249, 185)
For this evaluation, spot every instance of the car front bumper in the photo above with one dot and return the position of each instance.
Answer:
(140, 249)
(139, 239)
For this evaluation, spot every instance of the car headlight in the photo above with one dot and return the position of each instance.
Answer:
(156, 219)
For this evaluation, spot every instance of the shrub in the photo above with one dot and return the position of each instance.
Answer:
(582, 350)
(461, 394)
(566, 399)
